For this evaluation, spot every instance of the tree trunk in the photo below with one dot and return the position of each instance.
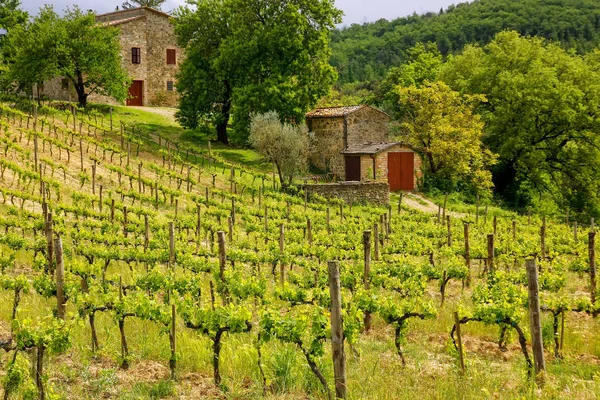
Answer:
(226, 108)
(80, 89)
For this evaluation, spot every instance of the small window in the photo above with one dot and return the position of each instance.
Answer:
(136, 55)
(64, 83)
(171, 58)
(169, 86)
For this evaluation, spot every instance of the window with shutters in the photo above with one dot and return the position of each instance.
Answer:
(136, 55)
(169, 86)
(171, 58)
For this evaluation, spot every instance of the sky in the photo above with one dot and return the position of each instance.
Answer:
(356, 11)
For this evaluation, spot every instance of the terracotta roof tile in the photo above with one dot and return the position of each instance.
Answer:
(121, 21)
(370, 148)
(333, 111)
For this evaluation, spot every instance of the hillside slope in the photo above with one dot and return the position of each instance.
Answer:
(365, 52)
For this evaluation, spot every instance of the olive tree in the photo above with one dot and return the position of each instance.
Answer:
(282, 143)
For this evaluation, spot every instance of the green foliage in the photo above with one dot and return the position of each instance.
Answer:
(284, 144)
(540, 100)
(253, 56)
(440, 125)
(73, 46)
(142, 3)
(366, 52)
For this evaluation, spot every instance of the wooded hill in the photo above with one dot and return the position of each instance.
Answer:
(366, 52)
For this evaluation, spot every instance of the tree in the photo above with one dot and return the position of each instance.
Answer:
(11, 15)
(143, 3)
(246, 56)
(542, 117)
(440, 125)
(423, 65)
(74, 46)
(283, 144)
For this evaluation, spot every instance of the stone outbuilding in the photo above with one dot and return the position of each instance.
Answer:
(150, 56)
(353, 144)
(391, 162)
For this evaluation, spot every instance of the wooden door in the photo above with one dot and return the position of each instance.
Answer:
(401, 170)
(352, 168)
(136, 94)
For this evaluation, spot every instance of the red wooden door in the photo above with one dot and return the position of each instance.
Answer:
(352, 168)
(401, 166)
(136, 94)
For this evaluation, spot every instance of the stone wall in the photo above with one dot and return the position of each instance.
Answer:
(327, 144)
(160, 36)
(153, 33)
(367, 125)
(352, 192)
(381, 165)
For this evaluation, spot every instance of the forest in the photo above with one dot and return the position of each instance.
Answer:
(364, 53)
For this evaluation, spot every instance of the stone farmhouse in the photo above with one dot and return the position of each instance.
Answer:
(150, 56)
(353, 143)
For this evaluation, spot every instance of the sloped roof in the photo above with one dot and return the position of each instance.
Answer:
(370, 148)
(129, 10)
(122, 21)
(332, 111)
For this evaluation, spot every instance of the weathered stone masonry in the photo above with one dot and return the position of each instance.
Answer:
(352, 192)
(152, 32)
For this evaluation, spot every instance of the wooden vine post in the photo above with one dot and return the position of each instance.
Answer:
(81, 152)
(222, 259)
(592, 255)
(376, 241)
(124, 221)
(35, 151)
(367, 273)
(111, 119)
(146, 232)
(60, 278)
(467, 253)
(171, 244)
(449, 225)
(49, 244)
(281, 252)
(328, 219)
(309, 231)
(490, 251)
(337, 331)
(543, 238)
(140, 177)
(459, 339)
(534, 316)
(266, 219)
(173, 359)
(400, 202)
(198, 220)
(94, 177)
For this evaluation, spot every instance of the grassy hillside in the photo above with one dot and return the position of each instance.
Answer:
(366, 52)
(269, 295)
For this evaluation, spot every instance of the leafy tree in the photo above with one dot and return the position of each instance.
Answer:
(11, 15)
(423, 65)
(253, 56)
(283, 144)
(441, 126)
(143, 3)
(541, 117)
(74, 46)
(366, 52)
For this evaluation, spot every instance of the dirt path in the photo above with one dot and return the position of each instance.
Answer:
(422, 204)
(164, 111)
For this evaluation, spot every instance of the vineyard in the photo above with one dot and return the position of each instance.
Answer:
(133, 266)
